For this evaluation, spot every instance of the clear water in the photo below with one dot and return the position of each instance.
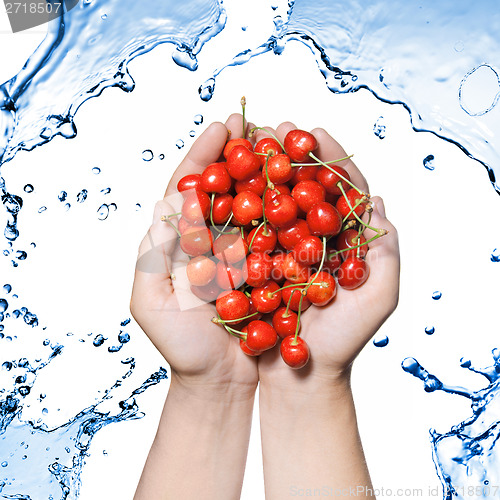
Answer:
(439, 60)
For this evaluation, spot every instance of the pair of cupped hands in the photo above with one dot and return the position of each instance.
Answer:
(201, 353)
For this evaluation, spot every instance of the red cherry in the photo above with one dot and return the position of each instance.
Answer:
(294, 352)
(294, 271)
(215, 179)
(236, 142)
(258, 269)
(247, 206)
(322, 294)
(261, 336)
(244, 347)
(332, 261)
(182, 224)
(298, 144)
(343, 206)
(188, 182)
(266, 298)
(279, 169)
(353, 272)
(229, 277)
(230, 248)
(196, 206)
(309, 251)
(200, 270)
(222, 207)
(277, 272)
(330, 180)
(303, 173)
(271, 194)
(266, 146)
(196, 240)
(295, 294)
(255, 183)
(284, 324)
(208, 293)
(307, 194)
(262, 241)
(241, 163)
(281, 211)
(289, 236)
(324, 220)
(349, 238)
(232, 305)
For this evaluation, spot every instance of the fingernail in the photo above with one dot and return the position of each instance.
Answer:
(380, 207)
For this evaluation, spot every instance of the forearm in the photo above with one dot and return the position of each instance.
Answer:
(201, 445)
(310, 440)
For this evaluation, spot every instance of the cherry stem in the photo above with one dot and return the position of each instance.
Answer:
(270, 133)
(225, 321)
(338, 174)
(358, 218)
(243, 103)
(320, 268)
(317, 163)
(358, 203)
(298, 319)
(380, 233)
(232, 331)
(286, 315)
(254, 236)
(294, 285)
(165, 218)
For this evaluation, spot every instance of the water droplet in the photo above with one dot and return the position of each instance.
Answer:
(459, 46)
(381, 342)
(46, 342)
(137, 206)
(179, 144)
(67, 206)
(115, 348)
(67, 449)
(33, 244)
(429, 330)
(495, 255)
(192, 133)
(125, 322)
(147, 155)
(198, 119)
(274, 7)
(244, 28)
(106, 190)
(103, 212)
(42, 209)
(62, 196)
(429, 162)
(7, 365)
(379, 128)
(161, 156)
(21, 255)
(104, 17)
(82, 196)
(96, 170)
(104, 452)
(437, 295)
(123, 337)
(28, 188)
(7, 288)
(4, 463)
(206, 90)
(98, 340)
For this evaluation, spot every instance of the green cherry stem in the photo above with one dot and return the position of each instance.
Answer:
(254, 236)
(358, 218)
(288, 304)
(225, 321)
(165, 218)
(294, 285)
(322, 163)
(320, 268)
(232, 331)
(380, 233)
(270, 133)
(358, 203)
(298, 319)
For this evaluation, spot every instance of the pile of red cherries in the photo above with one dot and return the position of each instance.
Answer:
(271, 231)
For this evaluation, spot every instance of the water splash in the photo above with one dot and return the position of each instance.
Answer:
(467, 454)
(429, 162)
(379, 128)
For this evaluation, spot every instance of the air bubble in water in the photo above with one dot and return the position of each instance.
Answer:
(147, 155)
(96, 170)
(82, 196)
(379, 128)
(381, 342)
(198, 119)
(429, 162)
(28, 188)
(437, 295)
(495, 256)
(179, 144)
(429, 330)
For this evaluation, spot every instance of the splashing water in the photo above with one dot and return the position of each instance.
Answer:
(467, 454)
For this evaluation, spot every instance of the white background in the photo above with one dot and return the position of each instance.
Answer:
(79, 277)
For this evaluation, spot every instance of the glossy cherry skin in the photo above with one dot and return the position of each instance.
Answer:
(344, 207)
(324, 220)
(277, 272)
(353, 272)
(266, 146)
(281, 211)
(266, 298)
(322, 294)
(208, 293)
(308, 251)
(307, 194)
(271, 194)
(258, 269)
(247, 206)
(262, 241)
(289, 236)
(294, 271)
(188, 182)
(200, 270)
(330, 180)
(230, 248)
(294, 352)
(232, 305)
(285, 322)
(222, 207)
(236, 142)
(229, 277)
(279, 169)
(261, 336)
(292, 295)
(196, 207)
(244, 347)
(304, 173)
(298, 144)
(196, 240)
(255, 183)
(242, 163)
(348, 239)
(215, 179)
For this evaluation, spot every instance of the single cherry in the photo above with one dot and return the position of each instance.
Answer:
(266, 298)
(284, 322)
(277, 272)
(200, 270)
(294, 271)
(330, 180)
(308, 251)
(323, 290)
(232, 305)
(353, 272)
(304, 173)
(196, 240)
(262, 240)
(241, 163)
(188, 182)
(324, 219)
(222, 207)
(294, 351)
(279, 169)
(345, 207)
(258, 269)
(196, 206)
(215, 179)
(348, 239)
(261, 336)
(281, 211)
(307, 194)
(298, 144)
(236, 142)
(247, 206)
(266, 146)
